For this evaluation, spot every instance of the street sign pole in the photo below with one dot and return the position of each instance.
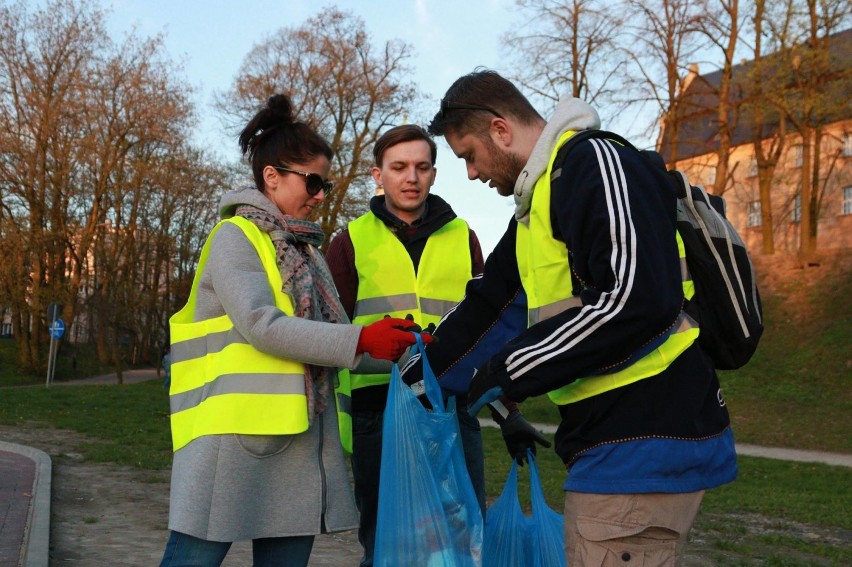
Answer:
(55, 352)
(50, 361)
(57, 328)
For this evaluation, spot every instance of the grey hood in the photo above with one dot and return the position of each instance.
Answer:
(570, 114)
(246, 195)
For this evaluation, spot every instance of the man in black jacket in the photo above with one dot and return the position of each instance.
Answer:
(593, 247)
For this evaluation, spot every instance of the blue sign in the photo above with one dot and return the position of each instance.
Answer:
(57, 328)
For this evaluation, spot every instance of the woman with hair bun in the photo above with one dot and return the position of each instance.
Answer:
(255, 351)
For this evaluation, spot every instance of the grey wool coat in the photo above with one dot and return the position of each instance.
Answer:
(239, 487)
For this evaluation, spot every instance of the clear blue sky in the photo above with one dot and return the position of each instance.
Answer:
(450, 38)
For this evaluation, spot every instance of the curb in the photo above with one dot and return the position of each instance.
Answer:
(35, 548)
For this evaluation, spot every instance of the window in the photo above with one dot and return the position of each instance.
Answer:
(797, 209)
(711, 177)
(798, 155)
(753, 212)
(847, 200)
(752, 167)
(847, 144)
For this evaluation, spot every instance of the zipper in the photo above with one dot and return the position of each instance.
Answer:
(323, 484)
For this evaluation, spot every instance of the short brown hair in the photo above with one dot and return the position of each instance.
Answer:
(399, 134)
(474, 99)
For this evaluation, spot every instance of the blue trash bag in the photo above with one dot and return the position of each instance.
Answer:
(513, 539)
(428, 513)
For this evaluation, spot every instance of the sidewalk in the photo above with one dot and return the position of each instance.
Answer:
(798, 455)
(128, 376)
(25, 475)
(25, 495)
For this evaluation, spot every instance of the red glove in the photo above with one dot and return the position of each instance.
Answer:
(388, 338)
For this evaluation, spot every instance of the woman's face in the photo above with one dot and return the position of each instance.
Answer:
(288, 190)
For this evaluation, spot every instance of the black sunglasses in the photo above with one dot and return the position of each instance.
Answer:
(450, 105)
(313, 182)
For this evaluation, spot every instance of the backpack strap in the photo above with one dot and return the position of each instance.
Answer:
(557, 171)
(586, 135)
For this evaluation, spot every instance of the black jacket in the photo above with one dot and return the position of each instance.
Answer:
(616, 216)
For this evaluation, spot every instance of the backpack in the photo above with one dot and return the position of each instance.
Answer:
(726, 303)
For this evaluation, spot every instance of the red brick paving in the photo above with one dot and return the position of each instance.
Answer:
(17, 477)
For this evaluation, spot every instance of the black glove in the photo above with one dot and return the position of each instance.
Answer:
(413, 328)
(520, 435)
(485, 386)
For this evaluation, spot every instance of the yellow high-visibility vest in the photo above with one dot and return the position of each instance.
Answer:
(546, 277)
(220, 383)
(388, 285)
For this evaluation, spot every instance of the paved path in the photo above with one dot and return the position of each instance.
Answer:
(25, 476)
(798, 455)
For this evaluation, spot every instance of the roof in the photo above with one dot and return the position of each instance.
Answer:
(698, 130)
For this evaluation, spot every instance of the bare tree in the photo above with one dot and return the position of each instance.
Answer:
(818, 88)
(721, 26)
(92, 150)
(769, 130)
(339, 82)
(663, 39)
(139, 117)
(567, 46)
(44, 58)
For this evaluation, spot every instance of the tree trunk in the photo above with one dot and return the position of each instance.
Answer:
(806, 242)
(767, 226)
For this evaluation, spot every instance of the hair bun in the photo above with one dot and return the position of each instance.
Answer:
(281, 108)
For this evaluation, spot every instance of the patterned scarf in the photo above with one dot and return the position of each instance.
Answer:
(307, 280)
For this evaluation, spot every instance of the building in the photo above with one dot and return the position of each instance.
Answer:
(698, 140)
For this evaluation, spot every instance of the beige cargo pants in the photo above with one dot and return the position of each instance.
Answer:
(628, 530)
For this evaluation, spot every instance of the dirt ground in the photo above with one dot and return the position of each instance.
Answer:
(109, 516)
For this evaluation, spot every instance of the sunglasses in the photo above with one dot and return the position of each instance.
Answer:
(313, 182)
(450, 105)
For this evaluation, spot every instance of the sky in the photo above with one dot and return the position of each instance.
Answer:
(450, 38)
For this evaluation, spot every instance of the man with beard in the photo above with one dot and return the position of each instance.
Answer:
(644, 429)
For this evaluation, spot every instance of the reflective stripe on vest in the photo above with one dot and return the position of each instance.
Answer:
(545, 273)
(388, 285)
(343, 399)
(220, 383)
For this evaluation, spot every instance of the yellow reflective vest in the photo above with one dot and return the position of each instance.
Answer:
(220, 383)
(545, 273)
(388, 284)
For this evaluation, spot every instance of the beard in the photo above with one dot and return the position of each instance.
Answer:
(506, 168)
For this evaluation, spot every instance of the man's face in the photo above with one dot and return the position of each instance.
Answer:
(406, 174)
(486, 161)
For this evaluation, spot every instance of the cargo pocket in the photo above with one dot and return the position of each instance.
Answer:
(611, 545)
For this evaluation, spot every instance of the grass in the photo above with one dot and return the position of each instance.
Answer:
(130, 422)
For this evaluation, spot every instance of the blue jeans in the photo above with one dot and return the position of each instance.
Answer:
(366, 465)
(184, 550)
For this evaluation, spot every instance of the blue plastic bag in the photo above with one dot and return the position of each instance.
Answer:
(428, 513)
(513, 539)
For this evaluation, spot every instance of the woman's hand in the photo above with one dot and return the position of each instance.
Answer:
(388, 338)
